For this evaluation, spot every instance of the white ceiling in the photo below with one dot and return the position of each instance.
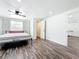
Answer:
(40, 8)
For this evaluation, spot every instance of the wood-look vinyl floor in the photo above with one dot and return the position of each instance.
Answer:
(40, 49)
(73, 41)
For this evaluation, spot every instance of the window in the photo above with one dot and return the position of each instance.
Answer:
(16, 25)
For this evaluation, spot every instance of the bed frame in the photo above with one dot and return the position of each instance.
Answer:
(14, 41)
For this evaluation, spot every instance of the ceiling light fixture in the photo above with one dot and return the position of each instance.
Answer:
(19, 0)
(50, 12)
(70, 16)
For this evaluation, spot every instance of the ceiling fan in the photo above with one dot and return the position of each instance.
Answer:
(17, 12)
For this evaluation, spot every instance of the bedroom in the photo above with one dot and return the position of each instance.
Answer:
(38, 29)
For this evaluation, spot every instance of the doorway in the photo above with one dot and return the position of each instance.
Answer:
(40, 29)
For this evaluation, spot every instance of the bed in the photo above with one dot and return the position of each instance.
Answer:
(14, 39)
(14, 36)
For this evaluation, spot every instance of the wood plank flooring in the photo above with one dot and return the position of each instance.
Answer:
(73, 41)
(40, 49)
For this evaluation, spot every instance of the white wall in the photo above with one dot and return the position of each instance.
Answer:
(32, 28)
(73, 29)
(73, 23)
(57, 26)
(26, 26)
(43, 29)
(56, 29)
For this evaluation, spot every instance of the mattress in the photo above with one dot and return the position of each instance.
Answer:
(14, 37)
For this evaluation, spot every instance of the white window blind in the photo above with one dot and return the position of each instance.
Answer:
(16, 25)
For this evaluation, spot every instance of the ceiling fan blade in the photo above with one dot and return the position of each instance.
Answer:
(10, 11)
(17, 13)
(22, 15)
